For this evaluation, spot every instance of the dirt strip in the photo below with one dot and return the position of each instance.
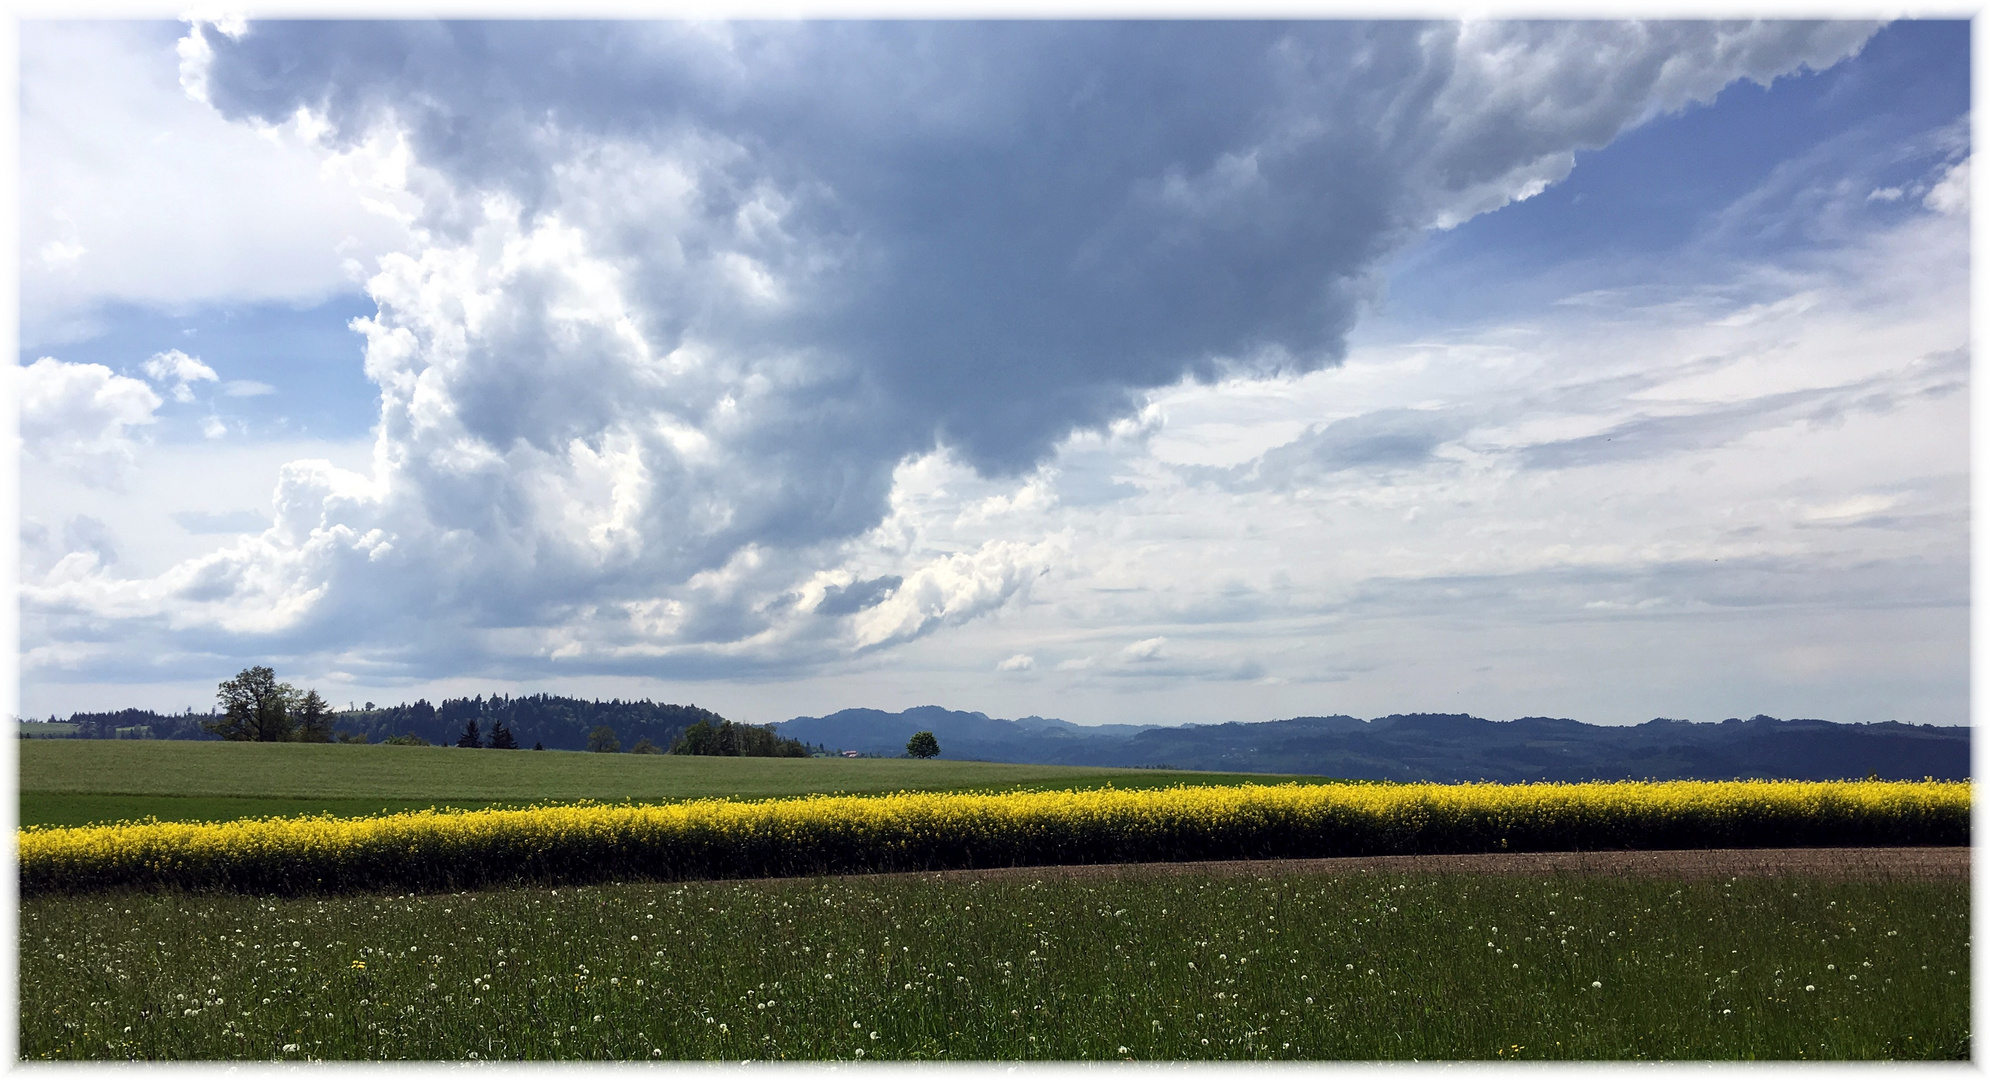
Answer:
(1863, 864)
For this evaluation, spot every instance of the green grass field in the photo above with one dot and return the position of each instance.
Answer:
(1302, 966)
(78, 782)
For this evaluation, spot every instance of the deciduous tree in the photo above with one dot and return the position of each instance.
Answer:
(254, 708)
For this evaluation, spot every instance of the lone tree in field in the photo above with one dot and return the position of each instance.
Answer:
(254, 708)
(470, 737)
(602, 740)
(501, 737)
(922, 745)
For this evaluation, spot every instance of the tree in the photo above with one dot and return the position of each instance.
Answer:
(727, 739)
(254, 708)
(700, 738)
(314, 718)
(645, 746)
(470, 736)
(410, 739)
(538, 746)
(602, 740)
(922, 745)
(501, 737)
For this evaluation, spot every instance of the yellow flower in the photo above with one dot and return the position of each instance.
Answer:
(925, 830)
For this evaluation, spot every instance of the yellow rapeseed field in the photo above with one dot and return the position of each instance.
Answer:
(923, 831)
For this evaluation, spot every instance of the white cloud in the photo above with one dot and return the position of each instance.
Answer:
(131, 191)
(81, 417)
(955, 589)
(246, 388)
(1950, 195)
(1017, 662)
(1144, 650)
(176, 370)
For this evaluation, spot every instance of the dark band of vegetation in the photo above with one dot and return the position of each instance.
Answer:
(927, 831)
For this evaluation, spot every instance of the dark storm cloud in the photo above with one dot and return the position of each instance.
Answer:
(1031, 222)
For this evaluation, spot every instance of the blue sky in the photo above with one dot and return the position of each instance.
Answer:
(1118, 372)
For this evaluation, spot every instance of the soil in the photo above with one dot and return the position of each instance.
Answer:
(1899, 863)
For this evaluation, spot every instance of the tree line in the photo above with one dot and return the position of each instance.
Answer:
(254, 706)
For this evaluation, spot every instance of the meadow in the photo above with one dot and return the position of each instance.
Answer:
(359, 938)
(78, 782)
(1299, 966)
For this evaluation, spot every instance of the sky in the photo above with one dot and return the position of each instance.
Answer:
(1128, 372)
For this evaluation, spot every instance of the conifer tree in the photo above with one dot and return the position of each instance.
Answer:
(470, 737)
(314, 718)
(501, 736)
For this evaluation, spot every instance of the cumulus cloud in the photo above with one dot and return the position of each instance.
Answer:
(177, 371)
(81, 418)
(1001, 230)
(673, 322)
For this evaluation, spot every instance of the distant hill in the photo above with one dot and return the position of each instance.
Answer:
(1427, 746)
(965, 736)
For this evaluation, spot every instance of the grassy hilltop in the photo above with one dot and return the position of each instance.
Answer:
(76, 782)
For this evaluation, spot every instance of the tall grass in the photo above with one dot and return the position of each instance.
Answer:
(1188, 967)
(917, 831)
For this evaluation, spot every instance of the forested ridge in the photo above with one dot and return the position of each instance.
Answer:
(548, 720)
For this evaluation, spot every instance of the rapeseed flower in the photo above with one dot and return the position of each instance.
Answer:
(442, 849)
